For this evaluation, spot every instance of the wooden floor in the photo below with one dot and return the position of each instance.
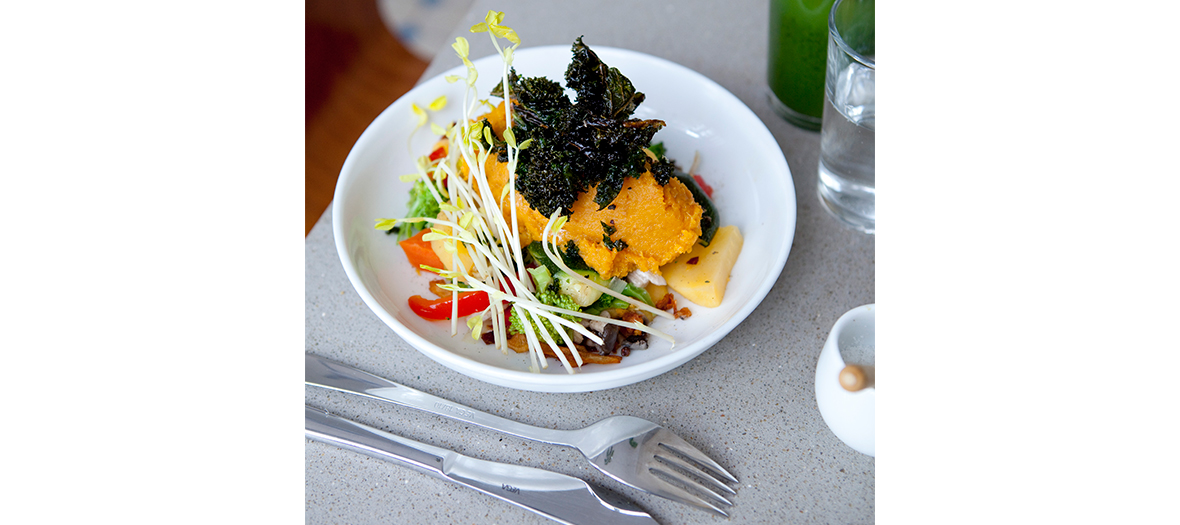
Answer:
(354, 70)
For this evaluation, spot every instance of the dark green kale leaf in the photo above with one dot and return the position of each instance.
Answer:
(602, 90)
(578, 146)
(569, 255)
(615, 245)
(483, 140)
(573, 257)
(616, 152)
(607, 231)
(540, 105)
(662, 170)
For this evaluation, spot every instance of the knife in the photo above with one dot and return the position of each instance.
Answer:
(559, 497)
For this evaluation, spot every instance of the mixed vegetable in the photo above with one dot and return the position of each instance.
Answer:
(555, 223)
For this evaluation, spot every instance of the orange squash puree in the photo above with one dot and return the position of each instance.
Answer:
(658, 223)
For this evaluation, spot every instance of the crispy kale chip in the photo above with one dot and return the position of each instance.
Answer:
(602, 90)
(577, 146)
(540, 105)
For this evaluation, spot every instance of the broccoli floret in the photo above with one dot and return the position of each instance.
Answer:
(551, 298)
(516, 326)
(559, 300)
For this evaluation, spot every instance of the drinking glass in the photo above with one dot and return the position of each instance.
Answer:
(847, 161)
(798, 50)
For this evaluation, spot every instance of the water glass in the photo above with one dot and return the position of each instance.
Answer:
(847, 183)
(798, 51)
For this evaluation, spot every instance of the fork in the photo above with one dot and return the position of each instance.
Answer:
(633, 451)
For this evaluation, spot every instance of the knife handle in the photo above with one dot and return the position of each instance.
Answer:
(556, 496)
(337, 376)
(340, 432)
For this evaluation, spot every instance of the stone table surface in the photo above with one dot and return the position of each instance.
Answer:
(749, 401)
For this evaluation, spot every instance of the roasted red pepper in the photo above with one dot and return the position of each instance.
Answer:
(419, 252)
(704, 187)
(440, 309)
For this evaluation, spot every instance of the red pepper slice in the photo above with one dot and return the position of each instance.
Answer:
(506, 283)
(508, 305)
(704, 187)
(440, 309)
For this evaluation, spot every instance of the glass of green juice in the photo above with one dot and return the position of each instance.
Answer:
(798, 56)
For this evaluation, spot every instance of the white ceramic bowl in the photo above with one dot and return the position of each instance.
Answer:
(739, 158)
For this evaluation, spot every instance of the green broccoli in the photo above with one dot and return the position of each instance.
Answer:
(547, 294)
(558, 299)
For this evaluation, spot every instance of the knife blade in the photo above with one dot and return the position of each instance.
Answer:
(559, 497)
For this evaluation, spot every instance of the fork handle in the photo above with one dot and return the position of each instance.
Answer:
(329, 374)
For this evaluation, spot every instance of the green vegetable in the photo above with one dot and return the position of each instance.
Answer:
(636, 292)
(606, 302)
(579, 145)
(547, 293)
(602, 90)
(516, 326)
(615, 245)
(422, 204)
(573, 258)
(581, 292)
(658, 149)
(710, 220)
(589, 299)
(541, 277)
(537, 252)
(560, 300)
(610, 302)
(494, 144)
(607, 231)
(569, 255)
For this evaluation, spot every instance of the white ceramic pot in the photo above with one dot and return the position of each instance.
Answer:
(850, 415)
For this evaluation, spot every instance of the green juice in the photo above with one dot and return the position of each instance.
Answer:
(798, 55)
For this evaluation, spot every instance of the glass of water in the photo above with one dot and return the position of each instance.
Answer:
(847, 161)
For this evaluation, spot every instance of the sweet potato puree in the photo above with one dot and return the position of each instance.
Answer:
(657, 222)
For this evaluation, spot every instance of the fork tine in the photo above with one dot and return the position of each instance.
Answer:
(675, 493)
(674, 443)
(675, 477)
(693, 470)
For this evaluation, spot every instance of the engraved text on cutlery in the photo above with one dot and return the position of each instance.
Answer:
(460, 412)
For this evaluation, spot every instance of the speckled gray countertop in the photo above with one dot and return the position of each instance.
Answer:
(749, 402)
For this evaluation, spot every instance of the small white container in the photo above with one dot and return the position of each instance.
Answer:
(850, 415)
